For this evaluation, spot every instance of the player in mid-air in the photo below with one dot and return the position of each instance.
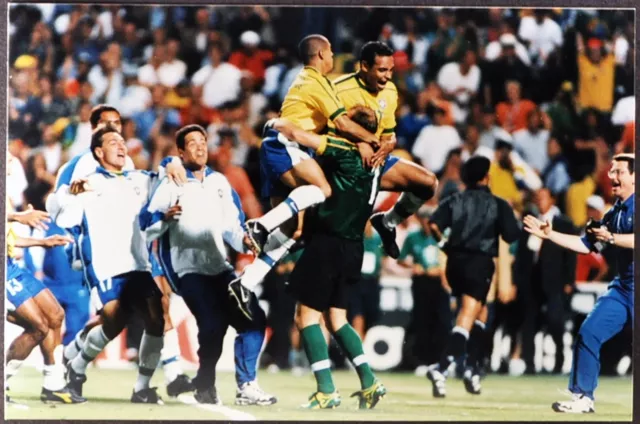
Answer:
(614, 309)
(371, 86)
(80, 167)
(105, 208)
(291, 178)
(192, 222)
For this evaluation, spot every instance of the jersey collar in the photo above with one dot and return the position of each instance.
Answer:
(363, 85)
(207, 171)
(111, 174)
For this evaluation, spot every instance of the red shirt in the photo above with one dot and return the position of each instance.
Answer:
(256, 63)
(586, 263)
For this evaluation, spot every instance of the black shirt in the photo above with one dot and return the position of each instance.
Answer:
(477, 219)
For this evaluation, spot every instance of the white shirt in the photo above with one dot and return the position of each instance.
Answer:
(543, 38)
(420, 47)
(488, 153)
(108, 215)
(450, 79)
(16, 183)
(220, 84)
(624, 111)
(211, 215)
(135, 99)
(494, 48)
(433, 144)
(167, 74)
(100, 83)
(533, 147)
(82, 142)
(53, 157)
(621, 49)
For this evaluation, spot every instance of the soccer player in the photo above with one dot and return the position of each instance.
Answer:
(371, 86)
(192, 222)
(476, 220)
(80, 167)
(105, 208)
(290, 177)
(614, 308)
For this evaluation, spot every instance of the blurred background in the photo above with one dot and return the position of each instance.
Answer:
(547, 95)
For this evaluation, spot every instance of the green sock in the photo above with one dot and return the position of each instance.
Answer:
(351, 344)
(318, 353)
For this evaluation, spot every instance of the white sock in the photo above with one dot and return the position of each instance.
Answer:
(53, 377)
(72, 349)
(12, 368)
(407, 205)
(96, 341)
(170, 356)
(277, 246)
(58, 352)
(299, 199)
(150, 348)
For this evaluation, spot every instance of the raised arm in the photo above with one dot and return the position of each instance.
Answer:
(545, 231)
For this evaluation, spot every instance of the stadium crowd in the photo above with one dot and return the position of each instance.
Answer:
(546, 95)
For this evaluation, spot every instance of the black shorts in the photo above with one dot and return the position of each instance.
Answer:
(470, 274)
(323, 273)
(364, 300)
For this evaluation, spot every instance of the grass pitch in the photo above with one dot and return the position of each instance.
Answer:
(408, 399)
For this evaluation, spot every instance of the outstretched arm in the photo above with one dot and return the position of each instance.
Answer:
(545, 231)
(295, 133)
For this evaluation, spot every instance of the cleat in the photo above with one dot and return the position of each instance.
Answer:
(438, 382)
(320, 400)
(75, 381)
(472, 382)
(181, 384)
(579, 404)
(65, 395)
(208, 396)
(242, 296)
(257, 235)
(368, 398)
(148, 395)
(251, 394)
(388, 235)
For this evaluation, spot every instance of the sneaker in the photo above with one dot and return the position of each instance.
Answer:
(181, 384)
(148, 395)
(368, 398)
(75, 381)
(579, 404)
(472, 382)
(242, 296)
(251, 394)
(388, 235)
(208, 396)
(65, 395)
(257, 234)
(438, 382)
(320, 400)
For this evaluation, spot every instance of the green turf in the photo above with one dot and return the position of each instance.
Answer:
(409, 398)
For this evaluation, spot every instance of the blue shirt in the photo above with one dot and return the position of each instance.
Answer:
(619, 220)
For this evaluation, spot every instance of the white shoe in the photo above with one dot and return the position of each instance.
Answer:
(579, 404)
(251, 394)
(472, 382)
(438, 382)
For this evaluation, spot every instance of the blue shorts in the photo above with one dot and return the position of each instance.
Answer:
(277, 156)
(75, 300)
(20, 287)
(391, 160)
(156, 269)
(134, 285)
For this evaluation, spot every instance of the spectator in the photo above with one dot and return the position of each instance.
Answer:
(460, 82)
(78, 134)
(506, 66)
(435, 141)
(106, 77)
(250, 57)
(541, 34)
(488, 129)
(450, 180)
(507, 45)
(413, 117)
(555, 175)
(592, 267)
(563, 111)
(136, 97)
(512, 113)
(472, 147)
(595, 76)
(410, 41)
(577, 195)
(531, 142)
(151, 122)
(40, 181)
(218, 81)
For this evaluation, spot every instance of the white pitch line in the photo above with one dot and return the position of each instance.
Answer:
(230, 413)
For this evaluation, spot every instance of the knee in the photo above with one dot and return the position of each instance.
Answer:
(40, 329)
(588, 335)
(56, 317)
(326, 189)
(428, 185)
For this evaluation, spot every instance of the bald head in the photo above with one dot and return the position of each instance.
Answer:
(310, 46)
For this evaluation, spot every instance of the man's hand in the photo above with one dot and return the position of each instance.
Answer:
(418, 269)
(387, 146)
(536, 227)
(79, 186)
(601, 234)
(246, 241)
(56, 240)
(508, 294)
(31, 217)
(173, 213)
(176, 172)
(366, 153)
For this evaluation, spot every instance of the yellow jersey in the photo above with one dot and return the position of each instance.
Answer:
(352, 91)
(11, 241)
(311, 101)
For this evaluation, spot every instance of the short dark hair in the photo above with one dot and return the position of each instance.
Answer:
(630, 158)
(96, 138)
(474, 170)
(366, 118)
(309, 46)
(97, 111)
(370, 50)
(182, 133)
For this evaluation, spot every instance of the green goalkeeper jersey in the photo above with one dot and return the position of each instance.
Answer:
(354, 189)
